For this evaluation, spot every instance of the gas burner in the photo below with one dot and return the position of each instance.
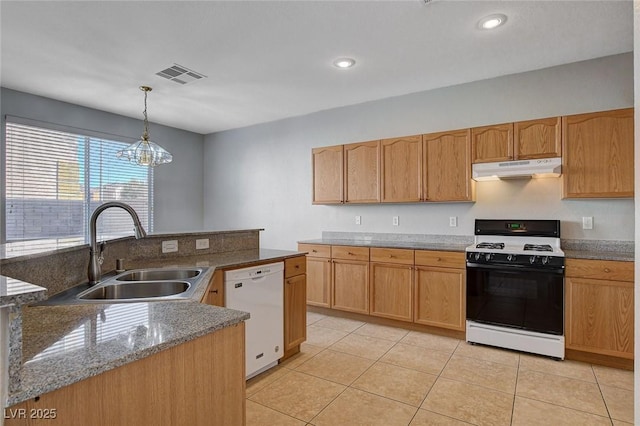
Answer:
(491, 246)
(537, 247)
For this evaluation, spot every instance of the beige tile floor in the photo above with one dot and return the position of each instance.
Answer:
(355, 373)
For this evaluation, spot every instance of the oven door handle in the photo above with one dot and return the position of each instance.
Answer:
(515, 268)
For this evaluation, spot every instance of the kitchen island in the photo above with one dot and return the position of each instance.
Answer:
(164, 362)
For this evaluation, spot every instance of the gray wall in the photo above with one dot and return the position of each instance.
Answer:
(260, 176)
(178, 186)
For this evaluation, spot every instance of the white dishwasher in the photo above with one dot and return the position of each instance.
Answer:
(259, 291)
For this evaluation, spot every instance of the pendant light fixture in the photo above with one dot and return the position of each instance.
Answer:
(145, 152)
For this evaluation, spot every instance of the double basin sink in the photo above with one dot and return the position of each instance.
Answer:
(139, 285)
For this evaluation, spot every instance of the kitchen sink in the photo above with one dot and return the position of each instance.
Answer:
(158, 274)
(137, 285)
(135, 290)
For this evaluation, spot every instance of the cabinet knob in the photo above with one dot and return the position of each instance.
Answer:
(438, 259)
(214, 291)
(314, 251)
(391, 256)
(607, 270)
(349, 253)
(288, 281)
(297, 266)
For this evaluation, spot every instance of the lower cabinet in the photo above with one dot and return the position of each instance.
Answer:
(215, 292)
(391, 283)
(600, 307)
(440, 297)
(350, 286)
(295, 296)
(319, 281)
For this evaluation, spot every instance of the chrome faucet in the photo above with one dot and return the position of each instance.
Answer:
(95, 251)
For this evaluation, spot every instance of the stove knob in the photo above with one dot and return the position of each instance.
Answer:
(545, 260)
(532, 260)
(487, 257)
(511, 257)
(477, 256)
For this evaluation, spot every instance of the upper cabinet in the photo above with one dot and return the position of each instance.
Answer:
(447, 160)
(492, 143)
(327, 174)
(598, 154)
(362, 172)
(523, 140)
(401, 169)
(537, 138)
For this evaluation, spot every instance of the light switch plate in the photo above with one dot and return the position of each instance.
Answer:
(170, 246)
(358, 220)
(587, 222)
(202, 244)
(453, 221)
(396, 220)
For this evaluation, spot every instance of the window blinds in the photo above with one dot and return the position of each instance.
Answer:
(55, 179)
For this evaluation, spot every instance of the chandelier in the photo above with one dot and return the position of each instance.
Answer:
(145, 152)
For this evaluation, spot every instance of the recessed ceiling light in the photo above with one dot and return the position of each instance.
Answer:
(492, 21)
(344, 62)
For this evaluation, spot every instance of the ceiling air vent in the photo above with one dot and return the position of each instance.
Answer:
(180, 74)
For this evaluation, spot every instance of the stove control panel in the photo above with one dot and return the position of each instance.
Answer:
(506, 259)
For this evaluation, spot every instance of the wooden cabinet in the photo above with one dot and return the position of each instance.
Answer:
(362, 172)
(391, 283)
(401, 166)
(447, 166)
(215, 292)
(492, 143)
(328, 175)
(522, 140)
(600, 307)
(537, 138)
(350, 279)
(598, 155)
(295, 306)
(440, 291)
(318, 271)
(200, 382)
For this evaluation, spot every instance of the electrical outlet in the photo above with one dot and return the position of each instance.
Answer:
(202, 244)
(358, 220)
(396, 220)
(453, 221)
(587, 222)
(170, 246)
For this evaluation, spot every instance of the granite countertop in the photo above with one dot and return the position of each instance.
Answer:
(17, 293)
(63, 344)
(411, 245)
(575, 249)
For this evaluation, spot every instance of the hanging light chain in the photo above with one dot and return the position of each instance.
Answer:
(145, 135)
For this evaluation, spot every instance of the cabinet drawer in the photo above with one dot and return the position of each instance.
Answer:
(386, 255)
(350, 253)
(295, 266)
(599, 269)
(316, 250)
(445, 259)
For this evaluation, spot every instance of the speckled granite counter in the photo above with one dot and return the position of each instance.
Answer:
(65, 344)
(17, 293)
(411, 245)
(574, 249)
(62, 345)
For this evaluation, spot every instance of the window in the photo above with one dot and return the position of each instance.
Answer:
(55, 179)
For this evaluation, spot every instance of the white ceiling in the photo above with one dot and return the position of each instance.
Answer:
(268, 60)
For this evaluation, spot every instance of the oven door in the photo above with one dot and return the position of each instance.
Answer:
(518, 297)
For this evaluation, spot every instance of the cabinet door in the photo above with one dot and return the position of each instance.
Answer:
(538, 138)
(440, 297)
(599, 316)
(447, 159)
(318, 281)
(391, 291)
(401, 169)
(327, 174)
(492, 143)
(295, 311)
(350, 286)
(362, 172)
(215, 293)
(598, 154)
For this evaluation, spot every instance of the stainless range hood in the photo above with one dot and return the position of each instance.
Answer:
(518, 169)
